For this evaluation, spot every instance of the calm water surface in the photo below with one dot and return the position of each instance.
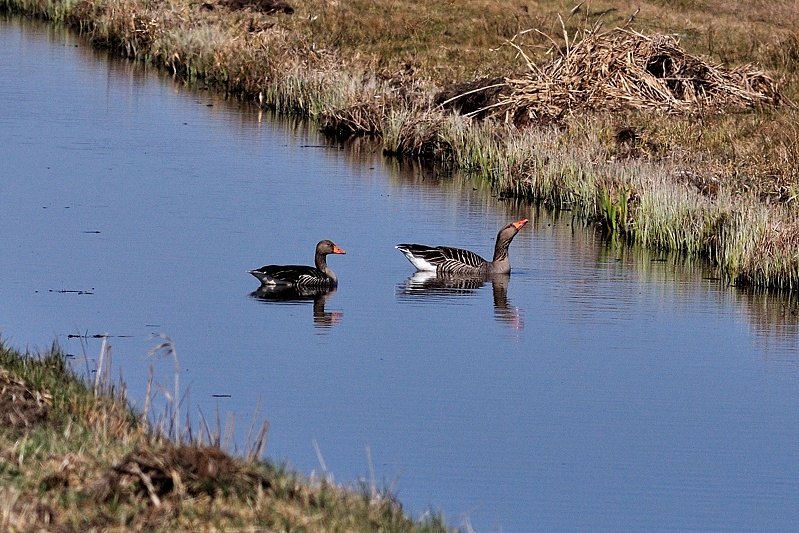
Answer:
(597, 390)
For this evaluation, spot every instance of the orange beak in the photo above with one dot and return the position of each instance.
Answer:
(337, 250)
(520, 224)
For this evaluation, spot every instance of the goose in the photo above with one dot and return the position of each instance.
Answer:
(444, 259)
(302, 276)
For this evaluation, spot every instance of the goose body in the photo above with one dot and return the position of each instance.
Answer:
(320, 275)
(445, 259)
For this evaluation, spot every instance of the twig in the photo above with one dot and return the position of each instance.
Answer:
(148, 483)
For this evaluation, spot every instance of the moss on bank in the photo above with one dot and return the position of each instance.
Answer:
(720, 185)
(77, 458)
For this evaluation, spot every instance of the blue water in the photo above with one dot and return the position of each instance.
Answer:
(602, 389)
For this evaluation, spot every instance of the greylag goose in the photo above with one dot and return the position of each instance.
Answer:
(444, 259)
(302, 276)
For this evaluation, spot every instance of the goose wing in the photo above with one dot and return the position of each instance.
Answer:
(292, 275)
(424, 258)
(441, 258)
(460, 260)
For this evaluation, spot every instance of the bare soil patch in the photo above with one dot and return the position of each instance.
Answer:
(270, 7)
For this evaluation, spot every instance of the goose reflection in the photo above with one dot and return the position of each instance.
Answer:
(297, 295)
(439, 286)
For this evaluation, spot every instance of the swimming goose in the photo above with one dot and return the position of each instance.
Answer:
(457, 261)
(302, 276)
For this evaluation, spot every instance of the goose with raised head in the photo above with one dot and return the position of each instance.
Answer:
(445, 259)
(319, 275)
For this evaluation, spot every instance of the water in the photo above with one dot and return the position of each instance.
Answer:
(598, 389)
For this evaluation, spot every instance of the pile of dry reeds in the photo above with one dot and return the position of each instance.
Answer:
(622, 68)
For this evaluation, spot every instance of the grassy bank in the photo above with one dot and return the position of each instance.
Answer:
(716, 182)
(74, 457)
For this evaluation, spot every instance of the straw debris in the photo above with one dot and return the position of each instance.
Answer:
(20, 407)
(624, 69)
(186, 470)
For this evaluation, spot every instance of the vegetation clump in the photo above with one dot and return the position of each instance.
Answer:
(624, 69)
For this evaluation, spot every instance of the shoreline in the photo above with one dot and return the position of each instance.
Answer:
(77, 457)
(655, 190)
